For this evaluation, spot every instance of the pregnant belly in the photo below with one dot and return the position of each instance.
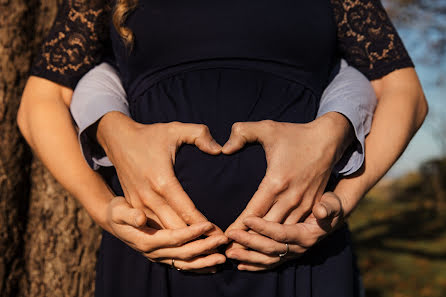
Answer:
(221, 186)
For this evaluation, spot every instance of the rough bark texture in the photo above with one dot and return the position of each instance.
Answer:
(16, 20)
(48, 244)
(61, 255)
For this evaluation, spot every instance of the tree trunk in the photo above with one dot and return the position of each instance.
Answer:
(61, 241)
(48, 244)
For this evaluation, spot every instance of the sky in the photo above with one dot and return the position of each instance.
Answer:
(424, 32)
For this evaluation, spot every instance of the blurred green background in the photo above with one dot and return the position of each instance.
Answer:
(400, 226)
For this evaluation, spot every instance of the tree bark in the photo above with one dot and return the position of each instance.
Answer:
(16, 19)
(48, 244)
(61, 241)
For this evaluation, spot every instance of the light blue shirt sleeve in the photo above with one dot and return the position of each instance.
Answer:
(351, 94)
(100, 91)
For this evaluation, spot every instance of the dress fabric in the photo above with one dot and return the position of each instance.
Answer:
(218, 63)
(77, 41)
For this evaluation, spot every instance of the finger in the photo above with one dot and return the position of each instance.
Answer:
(200, 136)
(235, 245)
(242, 133)
(301, 212)
(301, 234)
(254, 267)
(260, 267)
(197, 263)
(170, 193)
(260, 203)
(162, 209)
(123, 213)
(286, 202)
(258, 242)
(192, 249)
(148, 240)
(328, 207)
(252, 257)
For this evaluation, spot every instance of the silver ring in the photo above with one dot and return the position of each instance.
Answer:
(286, 252)
(172, 265)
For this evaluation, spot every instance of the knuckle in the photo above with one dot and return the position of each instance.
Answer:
(187, 215)
(277, 184)
(144, 247)
(282, 236)
(269, 250)
(161, 184)
(172, 127)
(268, 124)
(237, 128)
(202, 129)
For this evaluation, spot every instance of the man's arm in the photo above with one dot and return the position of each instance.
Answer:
(100, 91)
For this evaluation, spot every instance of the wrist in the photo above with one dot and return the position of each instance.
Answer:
(97, 206)
(350, 195)
(337, 131)
(109, 126)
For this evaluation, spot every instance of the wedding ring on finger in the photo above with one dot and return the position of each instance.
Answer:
(281, 255)
(172, 265)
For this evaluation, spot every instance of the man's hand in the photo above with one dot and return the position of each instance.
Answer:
(300, 158)
(144, 156)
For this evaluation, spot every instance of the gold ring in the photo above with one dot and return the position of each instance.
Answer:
(281, 255)
(172, 265)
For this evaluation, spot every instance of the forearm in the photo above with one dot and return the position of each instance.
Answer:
(46, 124)
(400, 112)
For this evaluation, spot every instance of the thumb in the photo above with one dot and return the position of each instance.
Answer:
(328, 207)
(241, 133)
(122, 213)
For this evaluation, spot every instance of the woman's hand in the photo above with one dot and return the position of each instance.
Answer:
(271, 239)
(144, 155)
(142, 232)
(300, 159)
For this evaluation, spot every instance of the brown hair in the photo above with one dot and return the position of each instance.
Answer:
(120, 13)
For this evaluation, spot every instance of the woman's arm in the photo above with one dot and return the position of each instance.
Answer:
(46, 124)
(402, 108)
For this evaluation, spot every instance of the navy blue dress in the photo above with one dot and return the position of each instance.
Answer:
(216, 63)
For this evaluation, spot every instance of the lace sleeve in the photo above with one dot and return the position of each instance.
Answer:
(367, 38)
(75, 43)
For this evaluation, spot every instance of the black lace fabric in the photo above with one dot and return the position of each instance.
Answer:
(78, 39)
(367, 38)
(76, 42)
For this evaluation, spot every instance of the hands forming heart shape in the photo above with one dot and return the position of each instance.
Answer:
(287, 213)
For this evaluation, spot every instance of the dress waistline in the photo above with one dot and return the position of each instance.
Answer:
(314, 81)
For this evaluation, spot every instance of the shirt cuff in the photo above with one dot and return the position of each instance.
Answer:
(98, 93)
(92, 151)
(351, 95)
